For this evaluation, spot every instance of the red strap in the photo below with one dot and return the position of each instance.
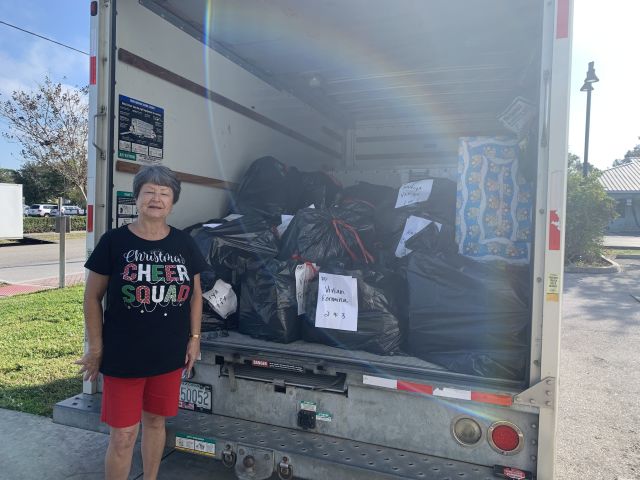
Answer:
(367, 257)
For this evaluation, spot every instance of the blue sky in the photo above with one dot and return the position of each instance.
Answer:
(603, 32)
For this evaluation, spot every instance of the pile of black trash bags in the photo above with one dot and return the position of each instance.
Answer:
(415, 294)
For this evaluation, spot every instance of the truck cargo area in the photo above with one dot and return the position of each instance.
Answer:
(371, 91)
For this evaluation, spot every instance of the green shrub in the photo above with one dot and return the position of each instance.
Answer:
(589, 211)
(78, 223)
(47, 224)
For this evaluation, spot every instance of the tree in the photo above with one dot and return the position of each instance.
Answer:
(40, 184)
(589, 211)
(50, 124)
(7, 175)
(629, 156)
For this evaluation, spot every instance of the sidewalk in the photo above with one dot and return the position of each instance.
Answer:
(34, 447)
(39, 285)
(631, 242)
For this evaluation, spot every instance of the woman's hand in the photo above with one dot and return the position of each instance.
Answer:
(90, 362)
(193, 352)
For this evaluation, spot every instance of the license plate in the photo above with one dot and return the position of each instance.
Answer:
(196, 397)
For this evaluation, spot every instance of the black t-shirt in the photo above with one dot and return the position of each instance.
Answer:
(146, 320)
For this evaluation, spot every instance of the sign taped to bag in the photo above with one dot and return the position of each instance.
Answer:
(337, 306)
(412, 226)
(222, 298)
(414, 192)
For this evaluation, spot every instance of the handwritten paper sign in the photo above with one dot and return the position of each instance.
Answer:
(412, 226)
(222, 298)
(304, 274)
(414, 192)
(337, 306)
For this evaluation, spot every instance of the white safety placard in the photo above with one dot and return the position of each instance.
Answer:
(195, 444)
(412, 226)
(337, 306)
(414, 192)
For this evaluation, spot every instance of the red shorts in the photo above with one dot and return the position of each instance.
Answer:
(124, 399)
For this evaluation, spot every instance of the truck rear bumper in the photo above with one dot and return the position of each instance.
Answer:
(308, 454)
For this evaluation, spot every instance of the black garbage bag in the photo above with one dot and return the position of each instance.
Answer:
(441, 203)
(268, 307)
(468, 316)
(263, 190)
(440, 206)
(318, 189)
(379, 328)
(321, 235)
(391, 225)
(232, 247)
(376, 195)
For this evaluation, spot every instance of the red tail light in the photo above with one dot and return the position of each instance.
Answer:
(506, 438)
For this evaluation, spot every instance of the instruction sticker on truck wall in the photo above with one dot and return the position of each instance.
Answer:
(127, 211)
(553, 287)
(140, 131)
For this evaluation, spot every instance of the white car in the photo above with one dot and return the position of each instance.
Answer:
(68, 210)
(41, 210)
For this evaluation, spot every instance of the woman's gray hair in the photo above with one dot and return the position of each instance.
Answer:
(158, 175)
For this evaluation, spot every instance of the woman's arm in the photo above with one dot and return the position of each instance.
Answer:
(193, 348)
(94, 291)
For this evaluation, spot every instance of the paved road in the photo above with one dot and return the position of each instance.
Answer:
(599, 426)
(30, 263)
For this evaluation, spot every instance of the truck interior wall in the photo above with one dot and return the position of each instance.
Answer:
(202, 137)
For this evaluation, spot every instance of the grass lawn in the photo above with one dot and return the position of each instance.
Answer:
(41, 334)
(612, 252)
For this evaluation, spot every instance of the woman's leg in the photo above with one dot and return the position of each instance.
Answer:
(117, 462)
(153, 439)
(160, 400)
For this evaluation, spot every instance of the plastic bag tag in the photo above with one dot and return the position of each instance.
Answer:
(412, 226)
(222, 298)
(285, 220)
(304, 273)
(414, 192)
(337, 306)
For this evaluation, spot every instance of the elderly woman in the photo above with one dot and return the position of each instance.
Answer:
(150, 329)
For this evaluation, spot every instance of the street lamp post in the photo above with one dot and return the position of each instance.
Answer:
(588, 87)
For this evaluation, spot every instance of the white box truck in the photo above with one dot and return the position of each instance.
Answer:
(11, 225)
(373, 90)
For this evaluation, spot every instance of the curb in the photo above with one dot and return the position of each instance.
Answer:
(614, 267)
